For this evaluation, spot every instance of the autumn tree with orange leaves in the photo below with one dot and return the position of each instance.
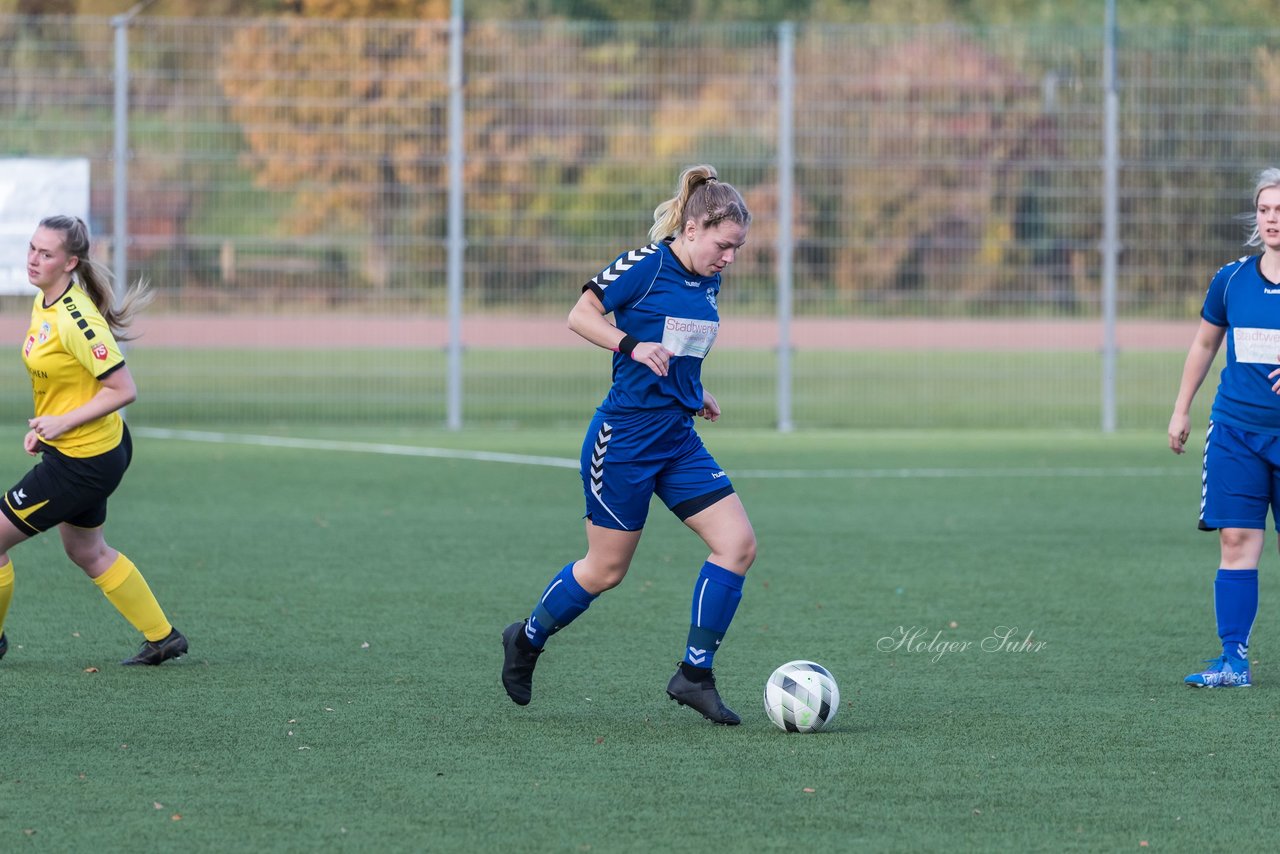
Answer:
(350, 120)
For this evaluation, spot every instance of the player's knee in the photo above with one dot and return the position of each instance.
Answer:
(597, 576)
(86, 556)
(1239, 543)
(737, 555)
(75, 553)
(747, 551)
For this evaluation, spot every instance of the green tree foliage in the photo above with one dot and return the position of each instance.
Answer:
(945, 147)
(379, 9)
(934, 160)
(349, 123)
(1131, 13)
(542, 180)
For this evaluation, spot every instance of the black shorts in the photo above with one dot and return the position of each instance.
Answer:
(67, 489)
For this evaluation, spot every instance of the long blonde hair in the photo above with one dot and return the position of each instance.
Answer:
(700, 197)
(96, 280)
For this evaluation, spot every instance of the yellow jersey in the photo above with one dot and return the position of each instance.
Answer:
(69, 348)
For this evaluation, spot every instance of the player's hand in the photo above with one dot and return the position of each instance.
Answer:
(710, 409)
(657, 357)
(31, 442)
(1274, 376)
(1179, 432)
(48, 427)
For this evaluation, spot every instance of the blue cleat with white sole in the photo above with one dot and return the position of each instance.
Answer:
(1225, 672)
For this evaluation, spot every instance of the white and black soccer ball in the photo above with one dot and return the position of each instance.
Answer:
(801, 696)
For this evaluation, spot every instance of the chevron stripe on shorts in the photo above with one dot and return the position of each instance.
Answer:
(596, 472)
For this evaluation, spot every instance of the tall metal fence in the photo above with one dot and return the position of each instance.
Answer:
(288, 198)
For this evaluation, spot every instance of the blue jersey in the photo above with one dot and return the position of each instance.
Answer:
(654, 298)
(1243, 301)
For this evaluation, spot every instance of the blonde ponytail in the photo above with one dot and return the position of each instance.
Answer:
(700, 197)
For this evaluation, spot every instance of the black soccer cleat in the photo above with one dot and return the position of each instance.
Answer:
(4, 644)
(518, 661)
(155, 652)
(700, 694)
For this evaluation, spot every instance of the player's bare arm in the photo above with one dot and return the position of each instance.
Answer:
(1204, 348)
(118, 390)
(587, 318)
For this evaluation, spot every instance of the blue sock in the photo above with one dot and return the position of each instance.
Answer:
(1235, 602)
(715, 597)
(561, 603)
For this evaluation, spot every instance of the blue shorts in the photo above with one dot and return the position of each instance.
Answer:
(1240, 480)
(627, 459)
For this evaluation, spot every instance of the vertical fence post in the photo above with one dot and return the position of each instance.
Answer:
(1110, 222)
(784, 250)
(120, 149)
(456, 227)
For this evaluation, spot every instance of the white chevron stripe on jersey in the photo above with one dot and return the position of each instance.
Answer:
(622, 265)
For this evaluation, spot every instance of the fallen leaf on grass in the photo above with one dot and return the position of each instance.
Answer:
(809, 791)
(91, 670)
(157, 805)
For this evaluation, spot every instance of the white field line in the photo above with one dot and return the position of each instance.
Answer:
(352, 447)
(872, 474)
(565, 462)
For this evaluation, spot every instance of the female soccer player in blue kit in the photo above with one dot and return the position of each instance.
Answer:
(642, 441)
(1241, 473)
(79, 383)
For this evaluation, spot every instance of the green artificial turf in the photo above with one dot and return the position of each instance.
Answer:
(344, 607)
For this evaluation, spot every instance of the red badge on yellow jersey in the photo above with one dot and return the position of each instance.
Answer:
(100, 352)
(31, 340)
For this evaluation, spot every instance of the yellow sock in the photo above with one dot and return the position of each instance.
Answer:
(125, 588)
(6, 590)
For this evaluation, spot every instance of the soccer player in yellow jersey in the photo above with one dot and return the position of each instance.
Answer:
(80, 382)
